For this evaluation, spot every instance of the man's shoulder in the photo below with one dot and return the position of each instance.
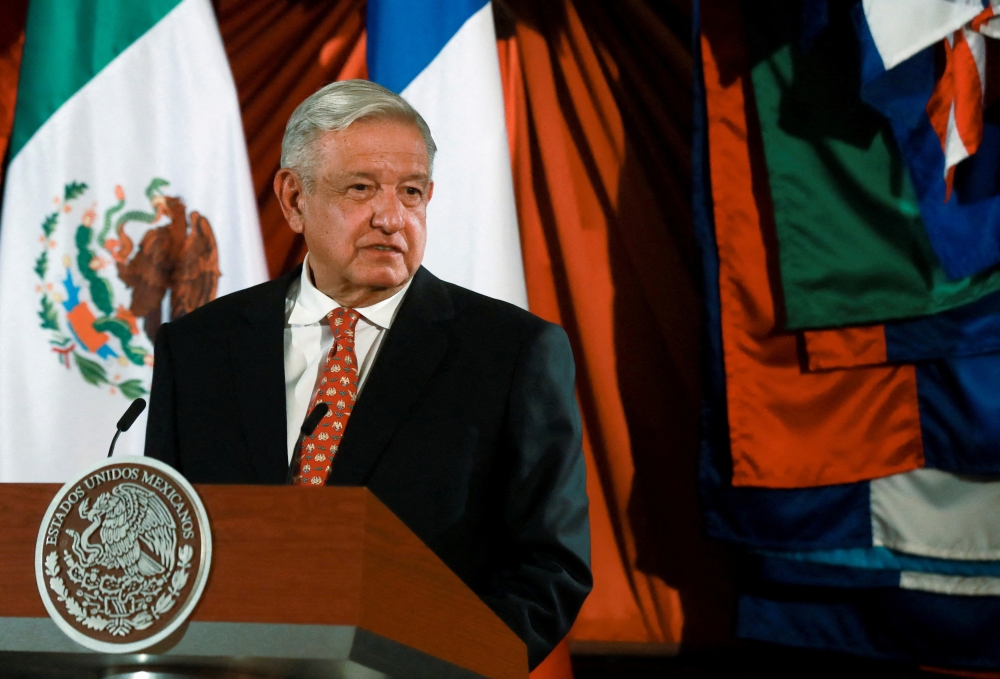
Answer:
(260, 301)
(492, 315)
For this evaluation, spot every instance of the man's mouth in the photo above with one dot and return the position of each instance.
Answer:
(384, 248)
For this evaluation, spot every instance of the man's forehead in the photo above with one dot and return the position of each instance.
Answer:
(366, 135)
(373, 147)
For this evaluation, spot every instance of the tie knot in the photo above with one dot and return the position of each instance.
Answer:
(342, 318)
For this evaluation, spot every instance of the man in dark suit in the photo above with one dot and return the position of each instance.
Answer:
(455, 409)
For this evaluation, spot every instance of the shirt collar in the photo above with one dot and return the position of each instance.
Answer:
(312, 306)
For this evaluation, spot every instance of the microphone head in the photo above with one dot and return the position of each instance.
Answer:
(131, 414)
(313, 419)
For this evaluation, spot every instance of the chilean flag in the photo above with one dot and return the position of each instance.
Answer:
(925, 66)
(441, 56)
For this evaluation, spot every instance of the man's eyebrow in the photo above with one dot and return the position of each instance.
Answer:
(359, 175)
(418, 176)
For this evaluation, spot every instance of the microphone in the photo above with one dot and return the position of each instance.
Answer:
(308, 427)
(127, 420)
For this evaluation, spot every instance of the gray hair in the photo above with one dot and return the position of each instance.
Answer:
(334, 108)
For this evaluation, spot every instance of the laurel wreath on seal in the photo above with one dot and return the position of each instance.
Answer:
(117, 625)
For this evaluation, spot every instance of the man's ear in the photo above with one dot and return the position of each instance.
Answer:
(430, 190)
(288, 187)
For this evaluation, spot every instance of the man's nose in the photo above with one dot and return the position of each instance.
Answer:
(387, 211)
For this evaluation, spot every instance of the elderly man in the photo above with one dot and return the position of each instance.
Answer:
(455, 409)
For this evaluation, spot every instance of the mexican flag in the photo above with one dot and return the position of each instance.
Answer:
(128, 202)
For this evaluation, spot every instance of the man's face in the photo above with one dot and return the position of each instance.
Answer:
(364, 222)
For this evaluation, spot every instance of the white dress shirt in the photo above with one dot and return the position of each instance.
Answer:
(308, 339)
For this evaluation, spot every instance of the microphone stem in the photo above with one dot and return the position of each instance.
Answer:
(296, 460)
(308, 427)
(111, 451)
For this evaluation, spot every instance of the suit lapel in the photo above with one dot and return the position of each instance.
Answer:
(410, 353)
(257, 354)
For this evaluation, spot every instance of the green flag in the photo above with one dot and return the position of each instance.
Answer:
(852, 247)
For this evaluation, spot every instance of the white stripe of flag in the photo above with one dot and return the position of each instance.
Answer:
(442, 57)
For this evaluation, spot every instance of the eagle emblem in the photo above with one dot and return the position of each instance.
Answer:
(123, 554)
(138, 535)
(107, 279)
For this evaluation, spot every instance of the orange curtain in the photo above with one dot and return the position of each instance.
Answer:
(599, 113)
(281, 51)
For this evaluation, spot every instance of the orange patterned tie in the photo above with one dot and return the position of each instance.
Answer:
(338, 388)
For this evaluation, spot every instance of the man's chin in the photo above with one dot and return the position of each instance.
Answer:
(382, 278)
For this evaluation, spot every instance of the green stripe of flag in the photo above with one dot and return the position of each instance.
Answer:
(852, 246)
(68, 43)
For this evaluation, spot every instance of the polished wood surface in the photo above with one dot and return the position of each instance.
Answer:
(268, 546)
(22, 506)
(442, 616)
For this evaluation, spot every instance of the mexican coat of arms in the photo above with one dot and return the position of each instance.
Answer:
(123, 554)
(121, 272)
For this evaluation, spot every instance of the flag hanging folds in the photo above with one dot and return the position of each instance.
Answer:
(901, 28)
(957, 407)
(897, 566)
(128, 202)
(960, 28)
(879, 622)
(880, 567)
(852, 246)
(866, 420)
(814, 518)
(442, 57)
(857, 424)
(958, 411)
(969, 330)
(945, 519)
(936, 514)
(944, 115)
(731, 513)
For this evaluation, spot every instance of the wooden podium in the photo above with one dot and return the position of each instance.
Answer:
(388, 607)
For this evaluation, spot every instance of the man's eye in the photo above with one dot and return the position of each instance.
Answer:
(360, 187)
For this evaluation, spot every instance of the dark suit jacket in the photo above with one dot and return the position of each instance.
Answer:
(467, 428)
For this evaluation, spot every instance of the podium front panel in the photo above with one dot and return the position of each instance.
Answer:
(390, 608)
